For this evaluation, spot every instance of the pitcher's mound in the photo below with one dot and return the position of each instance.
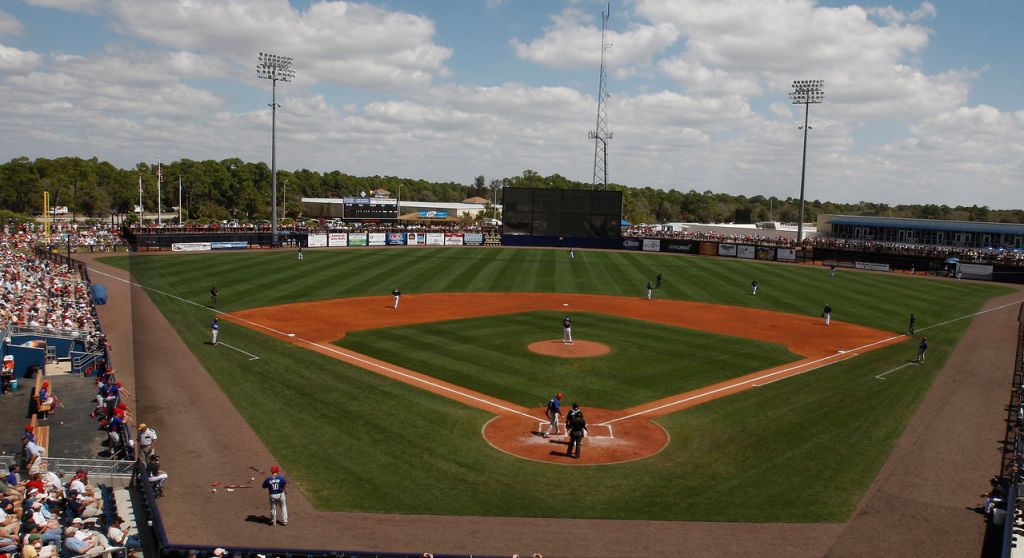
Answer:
(575, 349)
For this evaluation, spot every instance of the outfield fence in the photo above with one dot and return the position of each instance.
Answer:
(1010, 512)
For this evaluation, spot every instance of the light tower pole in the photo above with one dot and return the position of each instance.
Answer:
(275, 68)
(601, 135)
(804, 93)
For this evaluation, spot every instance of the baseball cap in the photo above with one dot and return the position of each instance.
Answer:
(78, 521)
(73, 492)
(274, 469)
(559, 396)
(575, 405)
(924, 338)
(142, 426)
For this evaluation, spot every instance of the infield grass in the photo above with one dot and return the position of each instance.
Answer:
(649, 361)
(800, 450)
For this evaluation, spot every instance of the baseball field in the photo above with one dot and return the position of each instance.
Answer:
(798, 424)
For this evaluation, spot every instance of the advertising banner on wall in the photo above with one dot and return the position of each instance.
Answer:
(765, 253)
(357, 239)
(785, 254)
(976, 271)
(190, 246)
(473, 239)
(492, 240)
(746, 252)
(871, 266)
(316, 240)
(396, 239)
(416, 239)
(631, 244)
(681, 246)
(243, 245)
(708, 249)
(435, 239)
(337, 239)
(652, 245)
(432, 214)
(452, 239)
(727, 250)
(378, 239)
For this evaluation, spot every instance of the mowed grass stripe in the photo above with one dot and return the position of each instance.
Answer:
(800, 450)
(490, 355)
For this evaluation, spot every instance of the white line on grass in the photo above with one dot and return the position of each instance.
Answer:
(851, 355)
(254, 357)
(893, 370)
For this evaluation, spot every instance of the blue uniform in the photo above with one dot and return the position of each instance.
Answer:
(213, 328)
(276, 485)
(554, 412)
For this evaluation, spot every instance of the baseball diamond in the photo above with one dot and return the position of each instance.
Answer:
(315, 324)
(216, 410)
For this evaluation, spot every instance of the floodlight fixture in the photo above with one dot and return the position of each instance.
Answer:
(805, 92)
(275, 68)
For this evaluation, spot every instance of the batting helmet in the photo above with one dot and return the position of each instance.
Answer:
(274, 469)
(559, 396)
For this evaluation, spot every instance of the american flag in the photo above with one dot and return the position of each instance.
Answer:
(140, 183)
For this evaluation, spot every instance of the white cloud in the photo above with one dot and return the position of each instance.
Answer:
(10, 25)
(86, 6)
(867, 67)
(359, 45)
(16, 61)
(574, 41)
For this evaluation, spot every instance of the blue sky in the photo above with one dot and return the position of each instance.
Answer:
(922, 99)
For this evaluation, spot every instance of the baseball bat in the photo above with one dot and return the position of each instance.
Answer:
(257, 470)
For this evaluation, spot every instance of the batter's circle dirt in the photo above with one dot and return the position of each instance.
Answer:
(576, 349)
(615, 436)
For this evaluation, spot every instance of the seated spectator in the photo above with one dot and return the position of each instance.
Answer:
(33, 455)
(34, 548)
(42, 517)
(9, 523)
(156, 475)
(81, 547)
(80, 482)
(120, 537)
(79, 506)
(85, 533)
(8, 543)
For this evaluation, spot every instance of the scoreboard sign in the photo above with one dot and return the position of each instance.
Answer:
(369, 208)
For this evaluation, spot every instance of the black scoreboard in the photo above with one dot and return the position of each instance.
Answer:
(551, 212)
(369, 208)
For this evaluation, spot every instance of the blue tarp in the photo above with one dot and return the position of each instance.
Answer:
(99, 294)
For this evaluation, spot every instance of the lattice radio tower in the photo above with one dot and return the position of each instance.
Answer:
(601, 135)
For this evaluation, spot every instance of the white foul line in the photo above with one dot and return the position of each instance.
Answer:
(254, 357)
(893, 370)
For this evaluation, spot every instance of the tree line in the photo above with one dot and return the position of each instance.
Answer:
(235, 189)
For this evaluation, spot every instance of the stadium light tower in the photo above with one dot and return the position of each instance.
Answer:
(805, 92)
(275, 68)
(601, 135)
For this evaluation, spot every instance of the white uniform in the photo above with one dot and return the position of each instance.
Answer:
(566, 330)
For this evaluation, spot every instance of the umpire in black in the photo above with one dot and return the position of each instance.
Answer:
(576, 427)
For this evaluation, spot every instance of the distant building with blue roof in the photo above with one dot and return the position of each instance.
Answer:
(928, 232)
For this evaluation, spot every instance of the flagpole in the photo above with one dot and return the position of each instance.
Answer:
(179, 200)
(140, 201)
(159, 178)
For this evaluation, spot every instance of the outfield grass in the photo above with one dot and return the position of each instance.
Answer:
(799, 450)
(649, 361)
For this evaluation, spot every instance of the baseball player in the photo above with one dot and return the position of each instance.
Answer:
(213, 295)
(213, 329)
(577, 428)
(278, 488)
(921, 349)
(648, 290)
(827, 313)
(571, 256)
(832, 270)
(657, 284)
(753, 287)
(567, 330)
(397, 294)
(300, 252)
(554, 413)
(913, 321)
